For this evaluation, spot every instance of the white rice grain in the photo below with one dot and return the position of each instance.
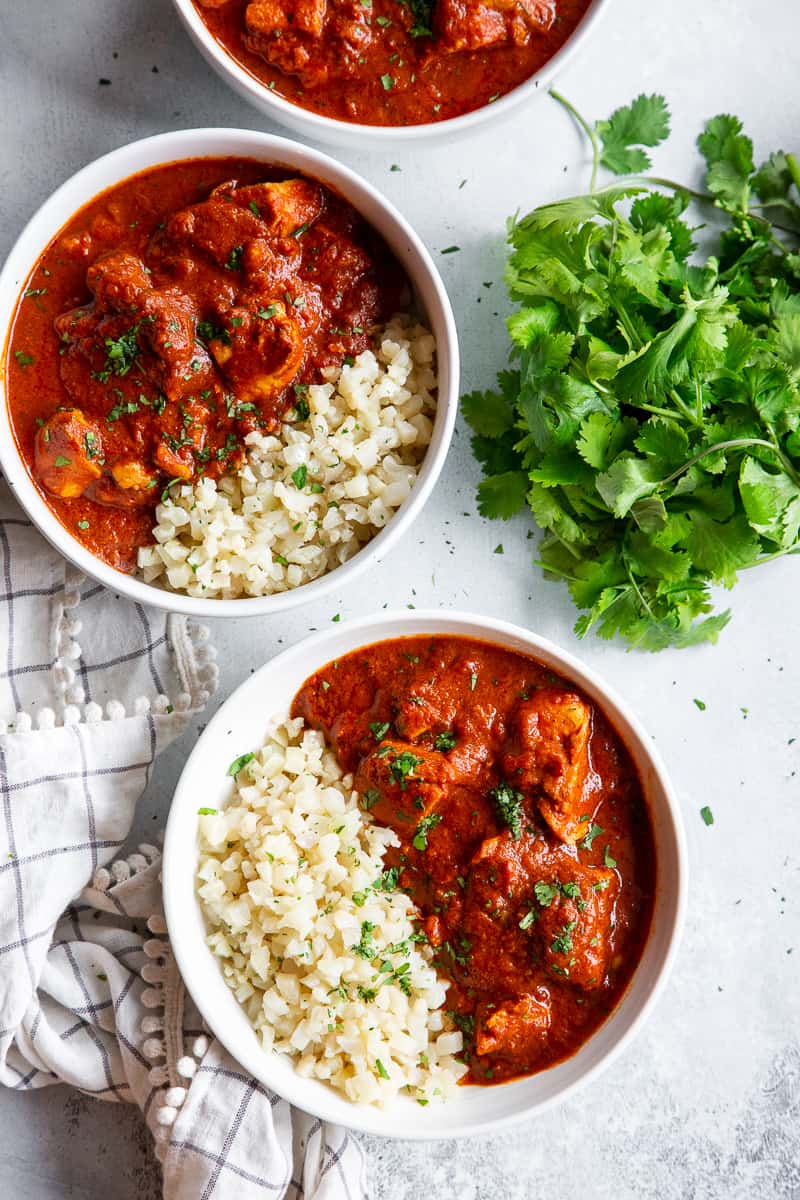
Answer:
(323, 959)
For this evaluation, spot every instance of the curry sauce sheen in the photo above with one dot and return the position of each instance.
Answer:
(391, 62)
(174, 314)
(525, 839)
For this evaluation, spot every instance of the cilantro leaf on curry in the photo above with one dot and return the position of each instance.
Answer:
(508, 808)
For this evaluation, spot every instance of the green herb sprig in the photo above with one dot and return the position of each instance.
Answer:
(651, 422)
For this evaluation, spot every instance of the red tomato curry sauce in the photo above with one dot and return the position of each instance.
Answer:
(525, 837)
(174, 314)
(391, 62)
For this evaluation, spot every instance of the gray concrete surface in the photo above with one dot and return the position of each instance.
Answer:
(706, 1104)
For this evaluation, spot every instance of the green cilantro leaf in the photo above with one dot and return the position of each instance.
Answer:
(489, 413)
(238, 763)
(502, 495)
(645, 122)
(729, 157)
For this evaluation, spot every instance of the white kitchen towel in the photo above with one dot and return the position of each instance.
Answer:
(92, 688)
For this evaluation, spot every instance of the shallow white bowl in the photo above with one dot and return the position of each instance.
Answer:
(349, 133)
(430, 294)
(240, 725)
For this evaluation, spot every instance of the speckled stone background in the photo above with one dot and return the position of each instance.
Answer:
(706, 1104)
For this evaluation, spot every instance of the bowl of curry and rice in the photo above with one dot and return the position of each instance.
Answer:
(230, 377)
(424, 874)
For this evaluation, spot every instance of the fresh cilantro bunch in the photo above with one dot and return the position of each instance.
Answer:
(651, 420)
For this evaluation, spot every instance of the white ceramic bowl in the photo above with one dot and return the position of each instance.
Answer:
(430, 294)
(347, 133)
(241, 724)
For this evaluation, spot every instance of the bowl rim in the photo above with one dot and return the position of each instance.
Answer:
(189, 954)
(333, 129)
(120, 164)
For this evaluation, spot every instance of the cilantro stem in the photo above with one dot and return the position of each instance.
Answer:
(653, 408)
(684, 410)
(635, 586)
(736, 444)
(698, 397)
(587, 129)
(553, 570)
(628, 328)
(765, 558)
(703, 197)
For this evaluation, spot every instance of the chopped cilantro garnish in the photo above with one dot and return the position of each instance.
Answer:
(365, 948)
(125, 409)
(420, 839)
(121, 352)
(238, 763)
(508, 808)
(165, 495)
(402, 767)
(562, 943)
(387, 881)
(528, 919)
(545, 892)
(590, 836)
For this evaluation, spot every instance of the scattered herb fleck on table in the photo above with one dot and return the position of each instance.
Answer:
(651, 418)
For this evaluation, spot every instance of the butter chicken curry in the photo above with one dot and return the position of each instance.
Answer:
(391, 62)
(525, 837)
(175, 313)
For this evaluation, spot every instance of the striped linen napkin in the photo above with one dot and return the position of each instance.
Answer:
(92, 688)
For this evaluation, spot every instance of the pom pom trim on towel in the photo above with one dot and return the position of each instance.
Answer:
(194, 661)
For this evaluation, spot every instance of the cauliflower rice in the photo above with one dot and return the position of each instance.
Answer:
(308, 498)
(313, 939)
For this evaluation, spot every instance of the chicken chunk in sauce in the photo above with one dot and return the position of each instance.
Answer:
(477, 24)
(550, 759)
